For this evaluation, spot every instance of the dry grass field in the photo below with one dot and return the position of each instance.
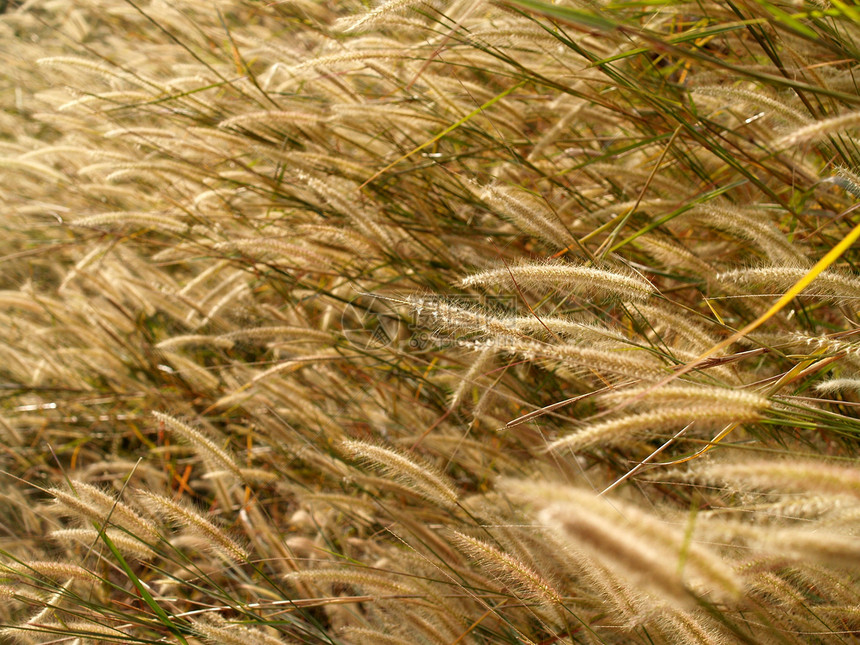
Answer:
(429, 322)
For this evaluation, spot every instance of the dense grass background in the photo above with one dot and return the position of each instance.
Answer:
(417, 322)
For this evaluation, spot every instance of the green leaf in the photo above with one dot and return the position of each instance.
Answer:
(162, 615)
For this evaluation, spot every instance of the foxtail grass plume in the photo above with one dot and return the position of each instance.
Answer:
(91, 504)
(219, 458)
(818, 130)
(191, 520)
(779, 279)
(421, 477)
(530, 584)
(568, 278)
(632, 427)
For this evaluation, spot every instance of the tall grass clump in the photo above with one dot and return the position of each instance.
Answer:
(436, 322)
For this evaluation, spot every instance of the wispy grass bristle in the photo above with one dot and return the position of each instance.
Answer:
(183, 516)
(215, 629)
(777, 279)
(530, 583)
(94, 505)
(528, 213)
(86, 538)
(683, 395)
(211, 452)
(798, 476)
(598, 537)
(366, 580)
(819, 130)
(836, 385)
(600, 283)
(658, 422)
(421, 477)
(611, 360)
(58, 571)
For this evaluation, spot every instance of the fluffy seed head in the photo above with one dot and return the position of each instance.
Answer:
(408, 470)
(600, 283)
